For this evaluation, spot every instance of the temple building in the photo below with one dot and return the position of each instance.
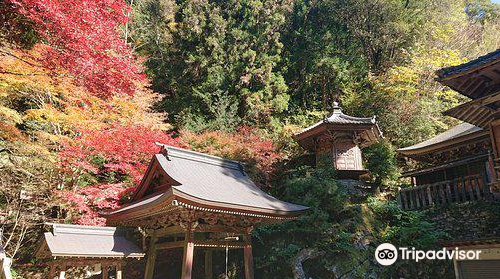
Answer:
(461, 164)
(189, 200)
(341, 138)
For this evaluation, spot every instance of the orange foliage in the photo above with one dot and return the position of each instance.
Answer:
(246, 144)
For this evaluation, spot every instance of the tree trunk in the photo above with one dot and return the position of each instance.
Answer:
(306, 254)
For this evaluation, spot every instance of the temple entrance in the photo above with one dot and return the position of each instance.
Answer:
(197, 246)
(207, 263)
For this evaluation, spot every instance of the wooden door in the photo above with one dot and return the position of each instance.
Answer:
(347, 156)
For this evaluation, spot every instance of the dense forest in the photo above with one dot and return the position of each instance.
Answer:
(87, 87)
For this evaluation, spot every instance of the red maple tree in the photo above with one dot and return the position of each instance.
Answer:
(125, 150)
(121, 150)
(83, 39)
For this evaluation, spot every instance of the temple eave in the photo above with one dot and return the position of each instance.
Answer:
(177, 209)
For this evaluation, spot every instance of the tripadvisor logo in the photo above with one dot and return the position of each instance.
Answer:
(387, 254)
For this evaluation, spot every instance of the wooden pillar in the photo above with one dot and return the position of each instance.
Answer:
(249, 274)
(493, 172)
(495, 137)
(400, 199)
(430, 202)
(105, 271)
(209, 274)
(150, 263)
(52, 271)
(119, 271)
(187, 262)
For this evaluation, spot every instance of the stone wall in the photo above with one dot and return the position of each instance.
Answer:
(473, 220)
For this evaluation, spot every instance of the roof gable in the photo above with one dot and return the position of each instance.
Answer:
(366, 128)
(475, 79)
(154, 181)
(207, 181)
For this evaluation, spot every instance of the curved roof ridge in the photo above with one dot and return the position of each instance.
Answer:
(340, 118)
(458, 131)
(208, 181)
(171, 151)
(470, 65)
(332, 118)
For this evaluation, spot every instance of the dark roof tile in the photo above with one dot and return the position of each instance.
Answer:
(453, 133)
(213, 181)
(338, 117)
(476, 63)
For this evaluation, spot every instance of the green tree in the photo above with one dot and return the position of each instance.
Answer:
(215, 61)
(380, 160)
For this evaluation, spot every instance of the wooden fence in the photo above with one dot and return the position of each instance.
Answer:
(458, 190)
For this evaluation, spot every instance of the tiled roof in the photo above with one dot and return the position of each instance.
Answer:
(214, 181)
(89, 241)
(476, 63)
(338, 117)
(453, 133)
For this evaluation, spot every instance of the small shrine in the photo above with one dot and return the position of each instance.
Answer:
(341, 137)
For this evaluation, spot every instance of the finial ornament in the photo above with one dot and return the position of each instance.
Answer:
(336, 107)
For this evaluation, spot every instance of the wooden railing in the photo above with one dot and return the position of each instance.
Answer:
(458, 190)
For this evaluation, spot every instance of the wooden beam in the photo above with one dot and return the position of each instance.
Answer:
(249, 273)
(473, 113)
(404, 198)
(400, 199)
(187, 262)
(166, 231)
(202, 243)
(209, 273)
(472, 86)
(219, 244)
(465, 81)
(169, 245)
(476, 90)
(491, 98)
(219, 228)
(82, 262)
(150, 263)
(430, 201)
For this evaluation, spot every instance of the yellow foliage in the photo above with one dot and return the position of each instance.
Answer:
(9, 115)
(417, 77)
(51, 104)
